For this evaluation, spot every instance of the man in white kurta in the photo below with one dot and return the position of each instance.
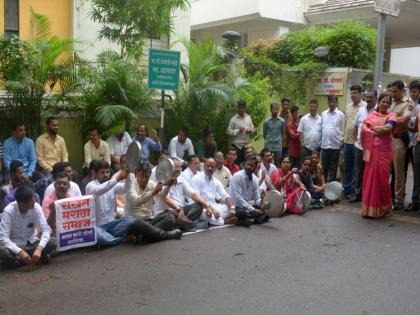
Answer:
(212, 191)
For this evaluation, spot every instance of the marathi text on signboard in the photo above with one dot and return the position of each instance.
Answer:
(163, 69)
(330, 83)
(75, 222)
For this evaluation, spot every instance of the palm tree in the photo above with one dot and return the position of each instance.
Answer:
(48, 67)
(210, 85)
(114, 91)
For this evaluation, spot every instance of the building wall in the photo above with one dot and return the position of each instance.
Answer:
(58, 11)
(406, 61)
(256, 29)
(1, 17)
(86, 32)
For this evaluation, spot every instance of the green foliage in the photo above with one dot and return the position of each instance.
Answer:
(129, 22)
(290, 62)
(113, 92)
(209, 91)
(32, 69)
(352, 44)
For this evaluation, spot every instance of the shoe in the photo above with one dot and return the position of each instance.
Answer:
(412, 207)
(398, 206)
(174, 234)
(189, 225)
(46, 259)
(245, 222)
(354, 198)
(203, 225)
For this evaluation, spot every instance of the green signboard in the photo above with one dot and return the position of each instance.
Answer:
(163, 69)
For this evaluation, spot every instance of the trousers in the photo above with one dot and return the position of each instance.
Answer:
(329, 161)
(398, 160)
(415, 198)
(146, 232)
(348, 182)
(359, 167)
(8, 258)
(114, 232)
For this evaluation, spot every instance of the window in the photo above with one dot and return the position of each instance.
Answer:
(11, 17)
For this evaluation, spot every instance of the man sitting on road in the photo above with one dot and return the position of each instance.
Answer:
(175, 208)
(74, 189)
(221, 172)
(60, 191)
(221, 210)
(139, 203)
(109, 231)
(18, 179)
(22, 220)
(192, 169)
(244, 189)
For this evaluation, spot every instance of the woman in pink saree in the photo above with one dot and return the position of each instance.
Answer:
(377, 154)
(285, 181)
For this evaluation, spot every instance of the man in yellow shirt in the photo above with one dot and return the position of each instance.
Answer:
(50, 147)
(96, 148)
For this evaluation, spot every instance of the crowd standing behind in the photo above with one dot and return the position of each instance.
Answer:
(378, 138)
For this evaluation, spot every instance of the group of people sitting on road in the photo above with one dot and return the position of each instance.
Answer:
(301, 155)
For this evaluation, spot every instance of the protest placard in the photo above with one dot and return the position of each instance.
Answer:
(75, 222)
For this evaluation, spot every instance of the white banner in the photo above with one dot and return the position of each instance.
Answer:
(75, 222)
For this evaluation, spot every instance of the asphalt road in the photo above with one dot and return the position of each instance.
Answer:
(325, 262)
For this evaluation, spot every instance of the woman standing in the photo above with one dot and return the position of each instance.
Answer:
(284, 181)
(377, 154)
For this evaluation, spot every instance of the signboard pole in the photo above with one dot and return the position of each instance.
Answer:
(380, 47)
(162, 114)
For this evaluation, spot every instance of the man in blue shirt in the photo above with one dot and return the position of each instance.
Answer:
(19, 147)
(147, 144)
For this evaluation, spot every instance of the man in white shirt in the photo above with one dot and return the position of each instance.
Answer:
(244, 190)
(21, 222)
(348, 138)
(192, 169)
(180, 146)
(118, 145)
(164, 154)
(332, 138)
(359, 164)
(240, 128)
(174, 209)
(266, 162)
(222, 209)
(310, 129)
(139, 202)
(221, 172)
(109, 231)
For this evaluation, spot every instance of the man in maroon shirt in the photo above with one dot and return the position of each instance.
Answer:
(293, 137)
(230, 161)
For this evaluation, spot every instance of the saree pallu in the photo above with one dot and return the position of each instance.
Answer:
(377, 154)
(289, 190)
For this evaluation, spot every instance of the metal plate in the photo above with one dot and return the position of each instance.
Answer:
(164, 170)
(333, 191)
(273, 204)
(303, 201)
(133, 155)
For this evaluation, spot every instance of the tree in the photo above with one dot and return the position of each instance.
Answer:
(129, 22)
(209, 89)
(113, 92)
(38, 74)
